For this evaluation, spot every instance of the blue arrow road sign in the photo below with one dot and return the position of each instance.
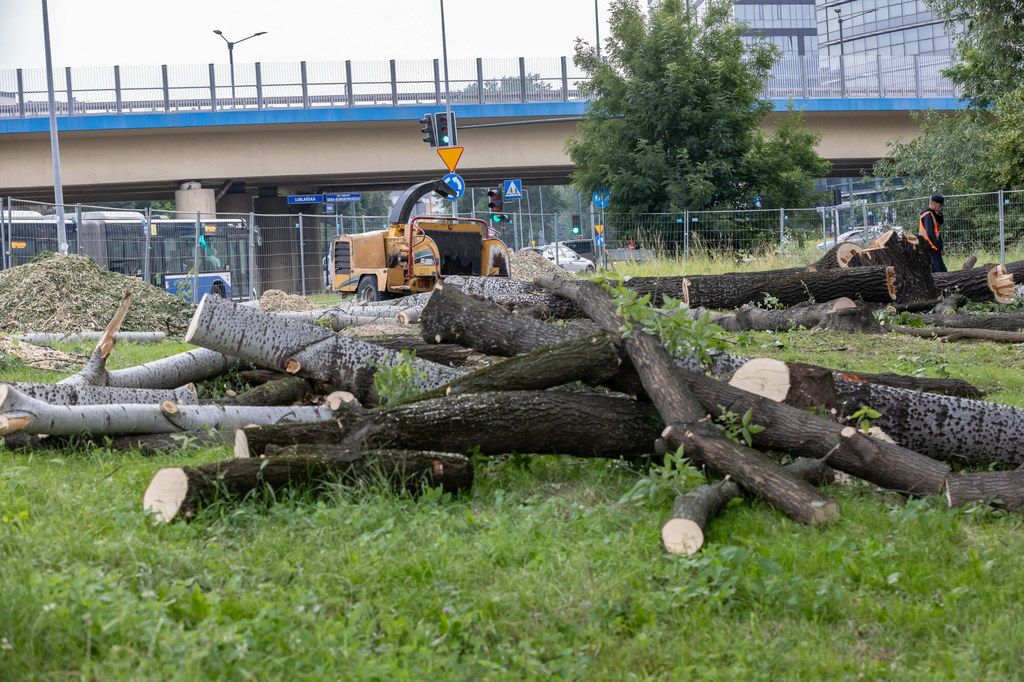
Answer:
(601, 198)
(513, 189)
(455, 181)
(306, 199)
(343, 198)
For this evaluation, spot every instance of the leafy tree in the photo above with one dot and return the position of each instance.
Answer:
(675, 117)
(510, 84)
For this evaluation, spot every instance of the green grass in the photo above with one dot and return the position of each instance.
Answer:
(543, 571)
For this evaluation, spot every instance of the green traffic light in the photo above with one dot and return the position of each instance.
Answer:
(445, 139)
(496, 218)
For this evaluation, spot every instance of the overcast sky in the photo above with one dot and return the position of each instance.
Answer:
(127, 32)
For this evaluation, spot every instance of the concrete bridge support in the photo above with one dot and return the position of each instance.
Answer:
(191, 197)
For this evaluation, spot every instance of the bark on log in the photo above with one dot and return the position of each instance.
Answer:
(192, 366)
(683, 533)
(904, 252)
(540, 422)
(987, 283)
(969, 263)
(166, 443)
(946, 428)
(687, 425)
(1003, 489)
(850, 321)
(1006, 322)
(700, 287)
(525, 298)
(949, 305)
(450, 354)
(182, 491)
(287, 390)
(128, 337)
(342, 317)
(751, 317)
(20, 413)
(69, 394)
(453, 316)
(951, 334)
(868, 284)
(591, 359)
(300, 348)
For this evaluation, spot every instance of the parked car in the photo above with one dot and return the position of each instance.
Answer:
(860, 235)
(567, 258)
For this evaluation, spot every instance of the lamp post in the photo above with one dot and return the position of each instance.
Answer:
(58, 188)
(231, 54)
(839, 16)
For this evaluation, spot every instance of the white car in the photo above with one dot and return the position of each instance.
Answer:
(567, 258)
(860, 235)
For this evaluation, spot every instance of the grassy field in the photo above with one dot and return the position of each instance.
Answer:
(549, 569)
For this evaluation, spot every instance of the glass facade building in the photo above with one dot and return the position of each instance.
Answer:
(790, 24)
(887, 28)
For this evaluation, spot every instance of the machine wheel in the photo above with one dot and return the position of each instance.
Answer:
(218, 289)
(367, 292)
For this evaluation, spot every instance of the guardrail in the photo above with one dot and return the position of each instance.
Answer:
(83, 91)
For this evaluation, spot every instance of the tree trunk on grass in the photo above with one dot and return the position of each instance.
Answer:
(182, 491)
(751, 317)
(946, 428)
(524, 298)
(1006, 322)
(850, 321)
(686, 417)
(591, 359)
(950, 334)
(19, 413)
(287, 390)
(1003, 489)
(539, 422)
(84, 394)
(700, 287)
(683, 533)
(902, 251)
(128, 337)
(987, 283)
(805, 387)
(192, 366)
(453, 316)
(300, 348)
(948, 306)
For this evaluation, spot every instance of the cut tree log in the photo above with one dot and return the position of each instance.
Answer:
(787, 289)
(287, 390)
(949, 305)
(70, 394)
(838, 256)
(525, 298)
(683, 533)
(805, 387)
(300, 348)
(540, 422)
(450, 354)
(704, 287)
(1006, 322)
(95, 369)
(192, 366)
(957, 334)
(947, 428)
(854, 320)
(591, 359)
(182, 491)
(687, 420)
(127, 337)
(20, 413)
(453, 316)
(987, 283)
(341, 317)
(912, 265)
(751, 317)
(969, 263)
(1003, 489)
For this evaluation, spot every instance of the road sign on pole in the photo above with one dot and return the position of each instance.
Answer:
(601, 198)
(450, 156)
(306, 199)
(456, 183)
(513, 189)
(349, 197)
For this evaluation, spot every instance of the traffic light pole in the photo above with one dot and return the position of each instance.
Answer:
(444, 56)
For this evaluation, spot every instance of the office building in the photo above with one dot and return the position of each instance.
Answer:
(886, 28)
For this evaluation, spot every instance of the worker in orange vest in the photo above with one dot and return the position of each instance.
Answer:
(928, 229)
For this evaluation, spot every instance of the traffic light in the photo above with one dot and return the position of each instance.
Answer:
(495, 204)
(575, 223)
(447, 135)
(429, 130)
(837, 196)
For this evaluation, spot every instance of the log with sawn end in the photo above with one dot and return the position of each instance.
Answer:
(86, 394)
(182, 491)
(683, 533)
(912, 265)
(687, 419)
(539, 422)
(301, 348)
(20, 413)
(1003, 489)
(516, 296)
(987, 283)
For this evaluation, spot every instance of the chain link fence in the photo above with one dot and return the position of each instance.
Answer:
(247, 254)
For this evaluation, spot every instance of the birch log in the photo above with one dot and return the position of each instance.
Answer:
(69, 394)
(181, 491)
(21, 414)
(127, 337)
(301, 348)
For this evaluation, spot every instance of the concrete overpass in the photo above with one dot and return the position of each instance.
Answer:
(253, 154)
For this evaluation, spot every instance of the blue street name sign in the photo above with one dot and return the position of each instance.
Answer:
(306, 199)
(343, 198)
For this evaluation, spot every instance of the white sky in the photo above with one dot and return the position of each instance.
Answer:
(142, 32)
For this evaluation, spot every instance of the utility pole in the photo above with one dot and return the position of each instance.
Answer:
(58, 189)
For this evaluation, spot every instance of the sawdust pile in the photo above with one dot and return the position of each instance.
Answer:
(41, 357)
(526, 265)
(59, 294)
(275, 300)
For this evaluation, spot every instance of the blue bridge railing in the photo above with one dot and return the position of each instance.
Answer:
(83, 91)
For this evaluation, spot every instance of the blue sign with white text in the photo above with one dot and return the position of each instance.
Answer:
(306, 199)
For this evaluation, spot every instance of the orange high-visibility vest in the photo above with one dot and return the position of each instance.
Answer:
(924, 233)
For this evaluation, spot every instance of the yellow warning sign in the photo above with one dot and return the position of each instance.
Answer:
(599, 229)
(450, 156)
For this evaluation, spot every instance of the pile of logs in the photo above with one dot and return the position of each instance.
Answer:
(316, 416)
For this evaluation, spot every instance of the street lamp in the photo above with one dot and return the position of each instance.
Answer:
(839, 15)
(231, 54)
